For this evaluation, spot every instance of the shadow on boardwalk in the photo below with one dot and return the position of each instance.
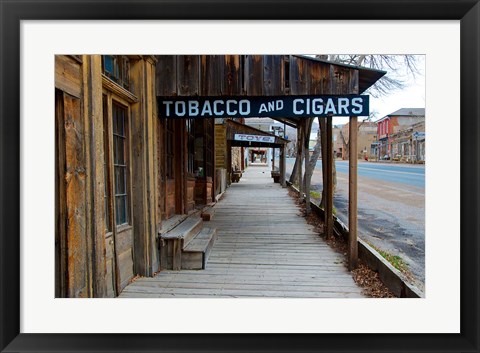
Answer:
(264, 249)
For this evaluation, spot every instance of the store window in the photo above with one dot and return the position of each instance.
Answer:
(116, 162)
(117, 68)
(120, 163)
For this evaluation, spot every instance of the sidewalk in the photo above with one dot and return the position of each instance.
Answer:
(264, 248)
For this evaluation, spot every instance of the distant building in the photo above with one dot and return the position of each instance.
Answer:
(337, 141)
(408, 145)
(313, 140)
(367, 134)
(389, 127)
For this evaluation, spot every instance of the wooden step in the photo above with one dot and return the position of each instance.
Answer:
(195, 254)
(185, 231)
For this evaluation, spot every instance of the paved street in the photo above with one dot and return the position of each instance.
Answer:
(391, 207)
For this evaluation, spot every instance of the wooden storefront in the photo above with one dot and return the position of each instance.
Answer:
(105, 176)
(126, 173)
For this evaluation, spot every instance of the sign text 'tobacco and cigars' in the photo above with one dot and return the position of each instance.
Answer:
(249, 107)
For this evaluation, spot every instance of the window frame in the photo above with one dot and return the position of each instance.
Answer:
(112, 100)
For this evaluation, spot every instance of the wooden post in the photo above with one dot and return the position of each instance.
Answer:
(229, 163)
(306, 139)
(95, 226)
(300, 156)
(329, 181)
(273, 158)
(283, 165)
(352, 195)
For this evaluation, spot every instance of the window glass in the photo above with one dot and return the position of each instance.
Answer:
(120, 158)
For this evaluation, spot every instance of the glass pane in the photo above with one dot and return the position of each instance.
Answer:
(119, 150)
(120, 180)
(108, 63)
(118, 120)
(120, 210)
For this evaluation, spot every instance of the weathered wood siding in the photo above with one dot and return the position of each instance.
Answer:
(166, 75)
(90, 261)
(190, 194)
(212, 74)
(233, 79)
(170, 198)
(251, 75)
(187, 75)
(75, 175)
(144, 169)
(68, 75)
(273, 75)
(203, 191)
(254, 75)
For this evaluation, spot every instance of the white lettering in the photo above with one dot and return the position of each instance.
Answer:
(244, 107)
(295, 109)
(229, 110)
(167, 107)
(207, 108)
(193, 108)
(342, 105)
(271, 106)
(279, 105)
(330, 107)
(263, 108)
(357, 102)
(177, 110)
(215, 107)
(317, 106)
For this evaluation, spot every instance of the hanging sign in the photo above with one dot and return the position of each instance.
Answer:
(254, 138)
(263, 106)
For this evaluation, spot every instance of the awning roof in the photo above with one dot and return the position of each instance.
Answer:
(367, 76)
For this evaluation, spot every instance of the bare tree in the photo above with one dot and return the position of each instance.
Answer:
(394, 65)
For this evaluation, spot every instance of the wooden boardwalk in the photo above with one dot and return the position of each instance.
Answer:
(264, 249)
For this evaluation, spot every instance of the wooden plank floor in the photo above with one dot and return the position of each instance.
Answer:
(264, 249)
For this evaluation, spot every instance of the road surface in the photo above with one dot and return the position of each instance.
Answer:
(391, 207)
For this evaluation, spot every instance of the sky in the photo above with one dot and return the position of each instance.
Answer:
(412, 96)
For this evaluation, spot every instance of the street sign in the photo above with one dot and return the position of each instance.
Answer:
(254, 138)
(263, 106)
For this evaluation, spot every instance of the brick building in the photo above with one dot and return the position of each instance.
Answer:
(392, 124)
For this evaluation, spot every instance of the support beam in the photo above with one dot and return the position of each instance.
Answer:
(306, 140)
(273, 158)
(283, 165)
(352, 194)
(329, 181)
(300, 160)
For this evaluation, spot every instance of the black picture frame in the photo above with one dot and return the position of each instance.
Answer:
(12, 12)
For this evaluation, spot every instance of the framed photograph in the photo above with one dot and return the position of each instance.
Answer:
(44, 307)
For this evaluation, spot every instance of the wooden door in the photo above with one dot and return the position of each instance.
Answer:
(72, 269)
(118, 195)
